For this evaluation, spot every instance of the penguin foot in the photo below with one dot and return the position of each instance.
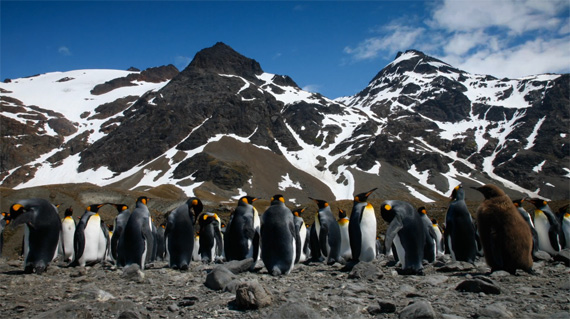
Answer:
(184, 267)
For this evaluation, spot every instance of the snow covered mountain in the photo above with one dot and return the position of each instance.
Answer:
(225, 127)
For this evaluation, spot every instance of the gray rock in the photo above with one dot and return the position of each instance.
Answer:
(218, 278)
(496, 310)
(500, 273)
(239, 266)
(477, 285)
(133, 273)
(91, 292)
(173, 308)
(541, 255)
(419, 309)
(252, 295)
(366, 270)
(445, 316)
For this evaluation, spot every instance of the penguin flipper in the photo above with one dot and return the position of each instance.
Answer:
(79, 241)
(255, 244)
(393, 229)
(429, 248)
(554, 236)
(219, 241)
(298, 247)
(323, 240)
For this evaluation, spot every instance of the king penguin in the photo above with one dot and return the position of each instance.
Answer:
(179, 233)
(278, 238)
(88, 238)
(506, 237)
(526, 216)
(137, 241)
(547, 227)
(301, 229)
(211, 241)
(160, 247)
(67, 233)
(439, 237)
(460, 233)
(243, 231)
(41, 234)
(328, 232)
(118, 227)
(430, 248)
(406, 232)
(343, 222)
(362, 229)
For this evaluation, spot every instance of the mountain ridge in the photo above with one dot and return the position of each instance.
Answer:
(419, 121)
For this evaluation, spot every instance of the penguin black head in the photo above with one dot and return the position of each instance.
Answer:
(6, 218)
(308, 225)
(362, 197)
(422, 210)
(341, 214)
(387, 212)
(297, 212)
(110, 227)
(15, 211)
(247, 200)
(195, 205)
(121, 207)
(94, 208)
(458, 193)
(490, 191)
(434, 221)
(320, 203)
(276, 199)
(143, 199)
(69, 212)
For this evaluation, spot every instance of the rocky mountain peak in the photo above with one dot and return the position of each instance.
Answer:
(222, 59)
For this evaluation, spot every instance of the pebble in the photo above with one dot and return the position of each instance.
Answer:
(419, 309)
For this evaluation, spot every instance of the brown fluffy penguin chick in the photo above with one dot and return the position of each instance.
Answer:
(506, 237)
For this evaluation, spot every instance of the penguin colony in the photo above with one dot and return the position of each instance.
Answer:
(505, 234)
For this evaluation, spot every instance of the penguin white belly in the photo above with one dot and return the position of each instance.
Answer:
(345, 251)
(195, 255)
(438, 241)
(167, 251)
(400, 251)
(303, 235)
(92, 233)
(68, 230)
(26, 243)
(143, 257)
(294, 248)
(257, 230)
(368, 232)
(542, 226)
(566, 230)
(451, 248)
(102, 248)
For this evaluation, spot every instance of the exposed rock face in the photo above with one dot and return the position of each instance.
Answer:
(156, 75)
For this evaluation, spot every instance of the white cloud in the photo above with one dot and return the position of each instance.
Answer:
(63, 50)
(506, 38)
(313, 88)
(394, 38)
(182, 62)
(514, 15)
(532, 57)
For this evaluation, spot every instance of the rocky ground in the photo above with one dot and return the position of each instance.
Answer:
(446, 290)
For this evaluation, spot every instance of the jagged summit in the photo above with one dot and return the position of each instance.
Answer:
(222, 59)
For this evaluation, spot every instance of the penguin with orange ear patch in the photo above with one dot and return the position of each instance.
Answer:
(211, 242)
(242, 234)
(328, 232)
(179, 233)
(302, 230)
(42, 231)
(506, 237)
(362, 229)
(343, 222)
(278, 238)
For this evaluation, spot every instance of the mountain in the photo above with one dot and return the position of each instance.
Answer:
(223, 127)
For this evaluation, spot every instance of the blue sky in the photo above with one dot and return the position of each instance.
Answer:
(334, 48)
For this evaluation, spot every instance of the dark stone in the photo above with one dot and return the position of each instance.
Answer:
(386, 306)
(218, 278)
(477, 285)
(563, 256)
(239, 266)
